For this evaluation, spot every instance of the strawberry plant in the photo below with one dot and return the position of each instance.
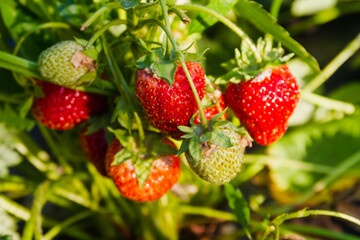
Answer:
(141, 119)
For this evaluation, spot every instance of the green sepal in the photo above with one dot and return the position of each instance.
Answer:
(220, 139)
(37, 91)
(143, 170)
(88, 77)
(90, 51)
(184, 147)
(126, 140)
(246, 67)
(123, 155)
(195, 149)
(163, 68)
(185, 129)
(216, 118)
(206, 137)
(123, 113)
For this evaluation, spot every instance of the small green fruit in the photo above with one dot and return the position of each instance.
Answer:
(65, 64)
(219, 165)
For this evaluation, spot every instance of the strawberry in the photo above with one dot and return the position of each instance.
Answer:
(164, 174)
(66, 65)
(63, 108)
(168, 107)
(214, 109)
(94, 146)
(218, 164)
(265, 103)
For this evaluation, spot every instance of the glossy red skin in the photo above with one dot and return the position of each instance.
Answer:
(264, 105)
(94, 146)
(63, 108)
(167, 107)
(165, 173)
(213, 110)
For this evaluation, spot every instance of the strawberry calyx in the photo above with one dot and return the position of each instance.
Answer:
(142, 159)
(245, 66)
(197, 139)
(164, 66)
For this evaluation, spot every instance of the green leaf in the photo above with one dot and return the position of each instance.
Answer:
(6, 237)
(326, 144)
(193, 57)
(126, 4)
(184, 147)
(9, 157)
(204, 21)
(13, 121)
(25, 107)
(238, 205)
(195, 149)
(143, 170)
(185, 129)
(261, 19)
(123, 155)
(220, 139)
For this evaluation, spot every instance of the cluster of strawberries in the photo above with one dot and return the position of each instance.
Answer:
(263, 105)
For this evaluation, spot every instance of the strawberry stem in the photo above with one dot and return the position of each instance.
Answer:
(93, 18)
(97, 34)
(274, 11)
(123, 88)
(39, 27)
(167, 24)
(328, 103)
(178, 52)
(334, 65)
(226, 22)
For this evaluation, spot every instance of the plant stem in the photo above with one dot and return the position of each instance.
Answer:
(54, 148)
(41, 26)
(207, 212)
(123, 88)
(305, 213)
(315, 231)
(328, 103)
(183, 65)
(167, 25)
(10, 99)
(97, 34)
(68, 222)
(274, 11)
(335, 173)
(334, 65)
(225, 21)
(92, 19)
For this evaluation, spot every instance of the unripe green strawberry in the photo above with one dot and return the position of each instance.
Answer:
(219, 165)
(66, 65)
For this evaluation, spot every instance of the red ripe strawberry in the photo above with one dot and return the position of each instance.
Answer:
(213, 110)
(167, 107)
(265, 103)
(165, 173)
(94, 146)
(63, 108)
